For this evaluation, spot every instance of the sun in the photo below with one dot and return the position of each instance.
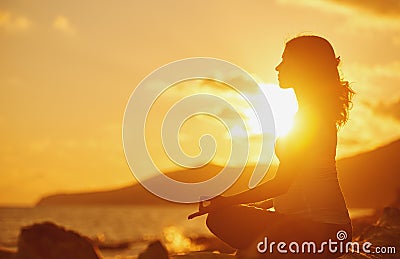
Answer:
(284, 106)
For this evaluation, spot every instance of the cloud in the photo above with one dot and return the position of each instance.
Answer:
(328, 6)
(14, 23)
(366, 130)
(227, 114)
(239, 82)
(389, 8)
(374, 82)
(390, 109)
(358, 14)
(396, 40)
(61, 23)
(375, 117)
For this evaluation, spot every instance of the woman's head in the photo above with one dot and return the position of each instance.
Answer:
(310, 67)
(307, 60)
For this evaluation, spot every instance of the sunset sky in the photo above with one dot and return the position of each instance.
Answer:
(68, 68)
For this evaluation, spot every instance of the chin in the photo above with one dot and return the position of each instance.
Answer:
(283, 85)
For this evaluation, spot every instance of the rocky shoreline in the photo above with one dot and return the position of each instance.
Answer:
(47, 240)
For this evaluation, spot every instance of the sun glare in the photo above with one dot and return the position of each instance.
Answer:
(283, 105)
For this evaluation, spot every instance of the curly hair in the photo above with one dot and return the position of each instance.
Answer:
(316, 58)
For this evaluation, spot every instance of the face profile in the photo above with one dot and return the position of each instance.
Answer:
(287, 72)
(306, 61)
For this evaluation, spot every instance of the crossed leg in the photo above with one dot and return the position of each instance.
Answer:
(243, 227)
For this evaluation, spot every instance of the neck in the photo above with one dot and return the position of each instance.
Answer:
(304, 100)
(311, 105)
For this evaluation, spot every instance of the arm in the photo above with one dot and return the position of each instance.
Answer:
(270, 189)
(277, 186)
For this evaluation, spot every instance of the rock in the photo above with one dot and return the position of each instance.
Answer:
(154, 250)
(361, 223)
(396, 202)
(356, 256)
(6, 253)
(47, 241)
(390, 218)
(204, 255)
(211, 244)
(384, 233)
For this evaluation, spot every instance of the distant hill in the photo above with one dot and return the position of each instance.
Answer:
(138, 195)
(371, 179)
(368, 180)
(131, 195)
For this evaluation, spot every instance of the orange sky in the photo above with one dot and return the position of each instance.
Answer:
(67, 70)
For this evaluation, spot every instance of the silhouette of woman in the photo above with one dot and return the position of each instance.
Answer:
(305, 192)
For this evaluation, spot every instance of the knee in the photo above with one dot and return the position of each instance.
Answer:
(210, 221)
(213, 221)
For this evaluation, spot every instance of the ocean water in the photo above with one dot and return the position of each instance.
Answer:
(111, 224)
(116, 224)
